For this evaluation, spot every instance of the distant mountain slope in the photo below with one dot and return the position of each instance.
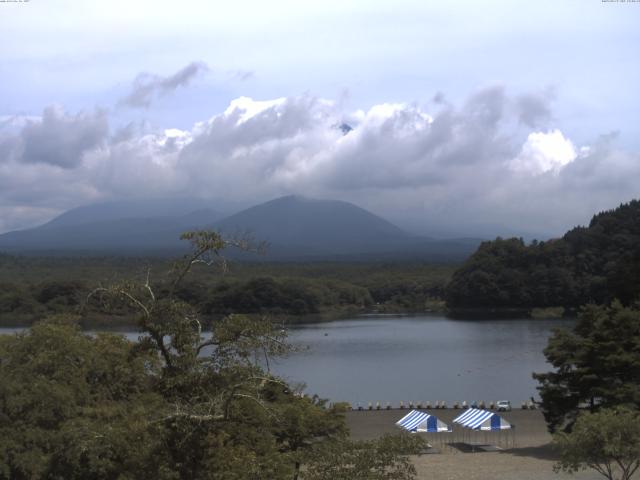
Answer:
(142, 208)
(296, 228)
(112, 228)
(110, 236)
(588, 264)
(317, 226)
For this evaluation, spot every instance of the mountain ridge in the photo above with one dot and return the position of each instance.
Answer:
(141, 208)
(296, 227)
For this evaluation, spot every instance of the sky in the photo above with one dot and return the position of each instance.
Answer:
(468, 118)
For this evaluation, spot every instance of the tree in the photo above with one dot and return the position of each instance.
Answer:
(72, 405)
(594, 264)
(607, 441)
(180, 403)
(382, 459)
(597, 365)
(226, 411)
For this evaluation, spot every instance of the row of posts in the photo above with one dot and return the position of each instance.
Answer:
(525, 405)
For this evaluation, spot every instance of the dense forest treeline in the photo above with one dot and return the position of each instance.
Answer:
(34, 287)
(593, 264)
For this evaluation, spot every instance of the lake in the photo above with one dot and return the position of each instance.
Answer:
(417, 358)
(420, 358)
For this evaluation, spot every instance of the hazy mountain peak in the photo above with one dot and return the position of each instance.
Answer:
(129, 209)
(325, 225)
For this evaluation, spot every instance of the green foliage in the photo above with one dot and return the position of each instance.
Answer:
(595, 264)
(607, 441)
(596, 365)
(34, 287)
(266, 295)
(72, 405)
(180, 403)
(382, 459)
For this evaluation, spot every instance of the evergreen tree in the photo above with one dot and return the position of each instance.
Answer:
(597, 365)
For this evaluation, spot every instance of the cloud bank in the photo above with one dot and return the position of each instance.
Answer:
(493, 165)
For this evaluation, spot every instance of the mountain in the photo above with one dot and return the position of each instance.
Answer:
(115, 227)
(311, 227)
(295, 227)
(142, 208)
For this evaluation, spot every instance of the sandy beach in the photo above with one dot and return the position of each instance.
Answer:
(524, 454)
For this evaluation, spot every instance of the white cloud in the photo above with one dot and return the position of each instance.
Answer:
(245, 108)
(544, 152)
(469, 169)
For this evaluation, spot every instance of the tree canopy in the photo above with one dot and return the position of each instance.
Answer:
(596, 264)
(597, 365)
(607, 441)
(32, 288)
(384, 459)
(180, 403)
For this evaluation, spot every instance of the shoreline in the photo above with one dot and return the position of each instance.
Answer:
(530, 428)
(530, 456)
(117, 323)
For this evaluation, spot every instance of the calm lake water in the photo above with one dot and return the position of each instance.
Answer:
(420, 358)
(417, 358)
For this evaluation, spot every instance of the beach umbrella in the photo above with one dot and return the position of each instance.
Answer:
(416, 421)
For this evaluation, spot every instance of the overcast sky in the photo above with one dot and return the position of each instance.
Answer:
(469, 118)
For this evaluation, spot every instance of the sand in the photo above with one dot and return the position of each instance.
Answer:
(525, 452)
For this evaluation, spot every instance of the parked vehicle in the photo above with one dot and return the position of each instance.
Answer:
(503, 406)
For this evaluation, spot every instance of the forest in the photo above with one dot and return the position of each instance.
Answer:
(593, 264)
(33, 287)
